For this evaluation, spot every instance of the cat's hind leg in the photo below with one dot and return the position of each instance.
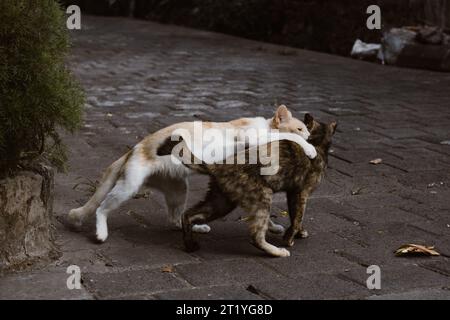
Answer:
(175, 194)
(214, 206)
(175, 191)
(112, 173)
(126, 187)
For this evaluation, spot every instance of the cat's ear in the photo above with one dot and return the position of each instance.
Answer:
(333, 126)
(309, 121)
(282, 115)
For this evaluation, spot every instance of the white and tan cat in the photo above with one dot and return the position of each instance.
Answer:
(143, 166)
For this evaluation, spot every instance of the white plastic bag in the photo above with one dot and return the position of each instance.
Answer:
(362, 50)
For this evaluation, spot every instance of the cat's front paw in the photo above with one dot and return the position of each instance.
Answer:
(282, 253)
(102, 230)
(310, 151)
(290, 234)
(101, 236)
(201, 228)
(288, 237)
(302, 234)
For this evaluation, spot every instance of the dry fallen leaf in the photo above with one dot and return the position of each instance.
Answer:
(416, 249)
(167, 269)
(376, 161)
(284, 213)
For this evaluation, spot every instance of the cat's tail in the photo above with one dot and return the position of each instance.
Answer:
(109, 179)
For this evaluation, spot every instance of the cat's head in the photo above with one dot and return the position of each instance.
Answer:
(321, 133)
(285, 122)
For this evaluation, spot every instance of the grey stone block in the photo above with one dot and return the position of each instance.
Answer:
(127, 283)
(234, 292)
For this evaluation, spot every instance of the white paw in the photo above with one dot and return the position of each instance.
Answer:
(276, 228)
(310, 152)
(102, 236)
(102, 232)
(201, 228)
(304, 234)
(283, 253)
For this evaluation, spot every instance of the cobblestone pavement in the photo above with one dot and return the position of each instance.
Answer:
(141, 76)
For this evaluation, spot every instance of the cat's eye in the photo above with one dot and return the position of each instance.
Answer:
(300, 129)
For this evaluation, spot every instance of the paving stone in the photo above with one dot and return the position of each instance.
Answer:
(427, 294)
(369, 217)
(45, 285)
(400, 279)
(375, 201)
(426, 181)
(225, 249)
(225, 272)
(423, 159)
(126, 283)
(441, 266)
(400, 133)
(308, 288)
(377, 244)
(364, 156)
(210, 293)
(386, 169)
(408, 143)
(146, 256)
(306, 258)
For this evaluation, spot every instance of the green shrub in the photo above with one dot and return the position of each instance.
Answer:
(38, 95)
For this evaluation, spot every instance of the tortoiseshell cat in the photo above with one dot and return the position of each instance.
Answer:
(242, 184)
